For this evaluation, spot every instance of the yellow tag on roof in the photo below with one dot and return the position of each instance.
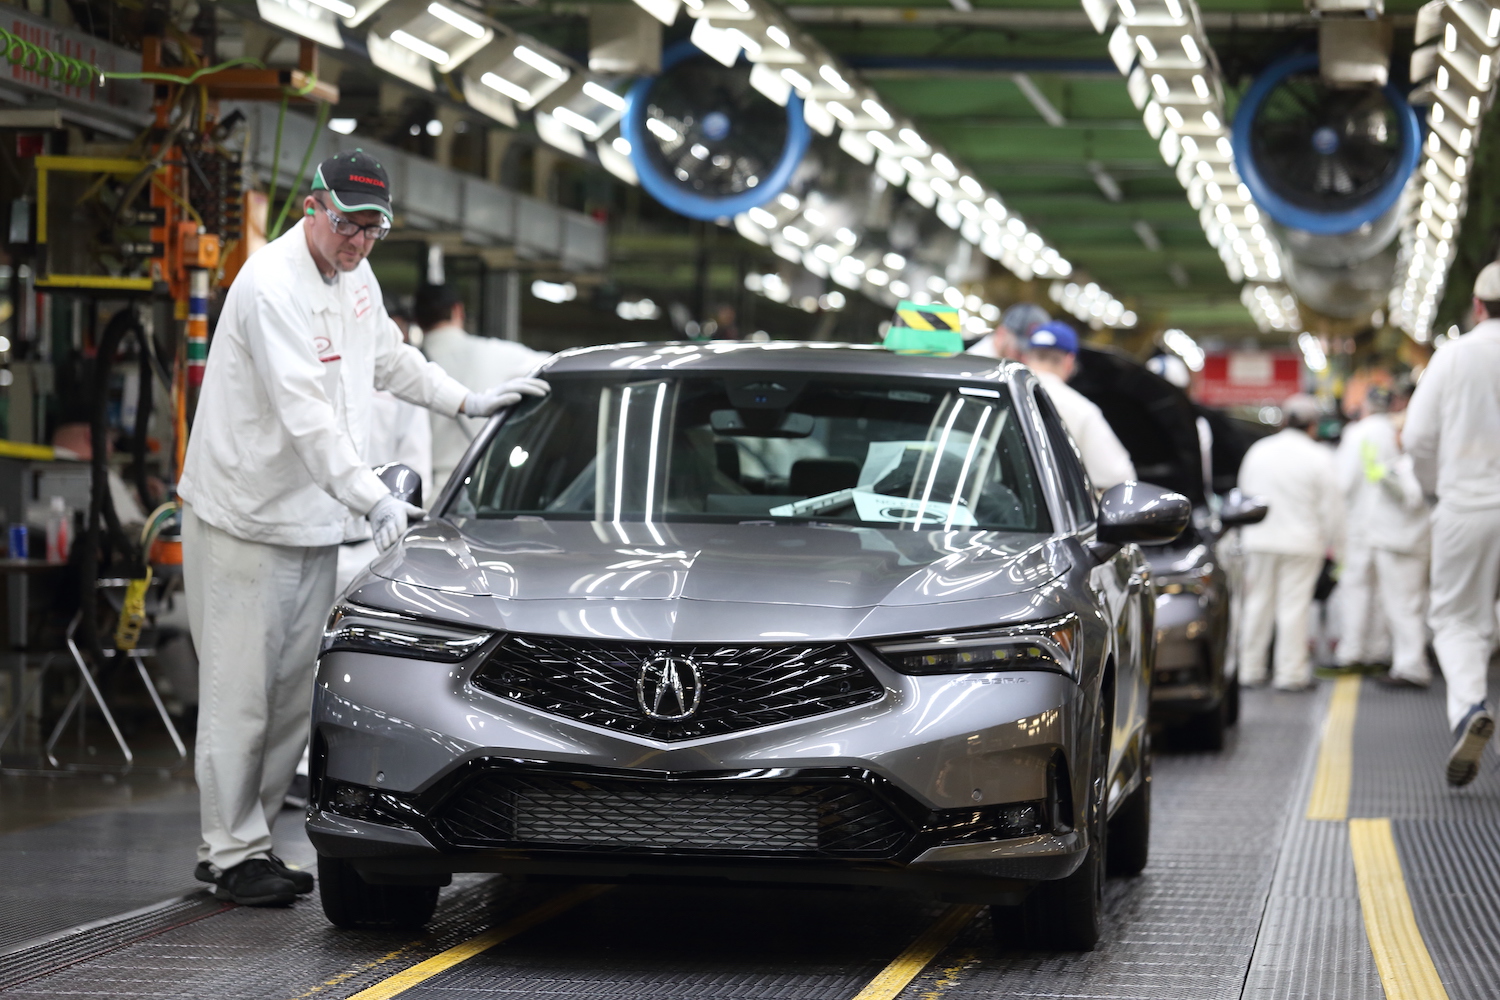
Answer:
(934, 316)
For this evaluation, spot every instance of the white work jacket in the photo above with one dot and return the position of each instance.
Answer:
(278, 448)
(1383, 503)
(1295, 476)
(1452, 427)
(479, 363)
(1104, 457)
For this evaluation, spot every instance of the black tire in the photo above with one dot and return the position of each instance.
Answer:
(1232, 696)
(1205, 731)
(1130, 830)
(354, 904)
(1067, 914)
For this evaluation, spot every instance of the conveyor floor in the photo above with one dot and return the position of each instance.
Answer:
(1318, 855)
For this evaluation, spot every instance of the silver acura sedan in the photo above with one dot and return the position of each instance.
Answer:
(794, 613)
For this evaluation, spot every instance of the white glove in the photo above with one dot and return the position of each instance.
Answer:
(388, 520)
(490, 401)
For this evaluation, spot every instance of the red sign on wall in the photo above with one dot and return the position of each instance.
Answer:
(1248, 378)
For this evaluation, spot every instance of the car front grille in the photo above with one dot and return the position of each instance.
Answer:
(759, 817)
(743, 687)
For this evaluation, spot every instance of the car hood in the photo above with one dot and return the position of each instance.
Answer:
(800, 565)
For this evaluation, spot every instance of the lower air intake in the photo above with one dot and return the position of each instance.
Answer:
(745, 817)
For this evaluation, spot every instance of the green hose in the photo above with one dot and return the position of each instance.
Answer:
(291, 194)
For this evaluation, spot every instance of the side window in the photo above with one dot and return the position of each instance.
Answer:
(1076, 489)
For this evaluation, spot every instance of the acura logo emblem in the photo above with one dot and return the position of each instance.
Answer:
(669, 687)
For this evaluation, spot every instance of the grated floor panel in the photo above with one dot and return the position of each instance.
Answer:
(1243, 898)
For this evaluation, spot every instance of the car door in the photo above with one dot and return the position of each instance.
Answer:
(1117, 588)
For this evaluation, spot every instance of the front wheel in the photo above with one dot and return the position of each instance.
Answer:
(354, 904)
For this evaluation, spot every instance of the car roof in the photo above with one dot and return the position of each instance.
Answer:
(814, 357)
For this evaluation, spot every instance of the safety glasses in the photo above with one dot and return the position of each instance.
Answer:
(344, 227)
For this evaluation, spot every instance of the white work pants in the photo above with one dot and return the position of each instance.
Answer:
(1278, 594)
(1465, 585)
(256, 612)
(1383, 598)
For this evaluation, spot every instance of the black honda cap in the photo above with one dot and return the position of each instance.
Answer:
(356, 182)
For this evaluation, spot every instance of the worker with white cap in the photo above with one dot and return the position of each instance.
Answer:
(1284, 553)
(1453, 434)
(1383, 578)
(1052, 352)
(275, 464)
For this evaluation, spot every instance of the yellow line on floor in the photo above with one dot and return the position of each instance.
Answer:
(1406, 969)
(1330, 790)
(441, 962)
(910, 963)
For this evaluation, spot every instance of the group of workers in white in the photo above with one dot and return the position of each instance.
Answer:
(309, 386)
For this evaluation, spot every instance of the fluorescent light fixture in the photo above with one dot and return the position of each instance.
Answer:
(944, 165)
(540, 63)
(604, 96)
(875, 111)
(877, 277)
(894, 261)
(942, 187)
(1148, 51)
(339, 7)
(788, 201)
(1190, 46)
(796, 236)
(993, 206)
(501, 85)
(424, 49)
(621, 145)
(843, 114)
(457, 20)
(814, 216)
(573, 119)
(880, 141)
(343, 126)
(661, 130)
(802, 83)
(762, 218)
(779, 36)
(917, 144)
(555, 292)
(835, 81)
(971, 187)
(847, 235)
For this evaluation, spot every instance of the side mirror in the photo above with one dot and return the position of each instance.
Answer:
(1240, 510)
(402, 481)
(1142, 513)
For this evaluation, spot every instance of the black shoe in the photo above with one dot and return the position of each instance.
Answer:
(1468, 747)
(256, 882)
(204, 872)
(1395, 682)
(301, 879)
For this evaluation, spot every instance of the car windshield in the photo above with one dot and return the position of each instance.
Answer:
(769, 446)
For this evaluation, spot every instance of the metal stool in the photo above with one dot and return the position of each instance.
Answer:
(90, 685)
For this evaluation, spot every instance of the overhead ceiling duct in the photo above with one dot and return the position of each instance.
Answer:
(1328, 163)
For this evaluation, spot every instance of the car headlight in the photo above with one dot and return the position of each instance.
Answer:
(368, 630)
(1049, 645)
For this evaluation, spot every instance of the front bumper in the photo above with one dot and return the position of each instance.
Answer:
(938, 758)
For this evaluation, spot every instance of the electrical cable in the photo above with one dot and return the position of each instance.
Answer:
(286, 206)
(276, 152)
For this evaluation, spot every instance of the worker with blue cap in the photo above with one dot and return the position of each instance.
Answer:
(1051, 350)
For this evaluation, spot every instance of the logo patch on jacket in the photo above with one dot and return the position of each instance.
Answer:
(324, 347)
(361, 301)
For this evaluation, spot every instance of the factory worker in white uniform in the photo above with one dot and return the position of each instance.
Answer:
(1296, 477)
(1453, 435)
(473, 360)
(1383, 579)
(1008, 338)
(1051, 351)
(273, 468)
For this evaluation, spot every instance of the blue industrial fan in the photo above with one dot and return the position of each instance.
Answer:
(1321, 159)
(704, 142)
